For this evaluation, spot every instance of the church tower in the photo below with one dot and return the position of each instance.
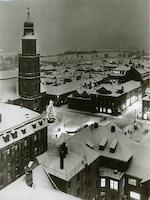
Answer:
(29, 69)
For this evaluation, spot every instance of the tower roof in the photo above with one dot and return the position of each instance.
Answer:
(28, 23)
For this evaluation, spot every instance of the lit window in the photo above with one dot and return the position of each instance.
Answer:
(8, 152)
(135, 195)
(35, 151)
(103, 182)
(114, 185)
(104, 109)
(123, 106)
(128, 102)
(145, 116)
(16, 147)
(132, 181)
(35, 138)
(109, 110)
(25, 143)
(101, 109)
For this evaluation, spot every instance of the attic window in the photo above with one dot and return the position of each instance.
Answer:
(113, 145)
(23, 130)
(5, 137)
(14, 134)
(34, 125)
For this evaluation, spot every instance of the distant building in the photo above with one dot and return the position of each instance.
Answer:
(108, 97)
(100, 162)
(23, 136)
(146, 105)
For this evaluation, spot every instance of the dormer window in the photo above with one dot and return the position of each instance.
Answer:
(41, 123)
(14, 134)
(23, 130)
(34, 125)
(6, 137)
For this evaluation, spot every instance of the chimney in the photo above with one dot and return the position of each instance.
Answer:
(62, 152)
(28, 176)
(113, 128)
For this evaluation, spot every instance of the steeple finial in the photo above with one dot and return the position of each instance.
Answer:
(28, 12)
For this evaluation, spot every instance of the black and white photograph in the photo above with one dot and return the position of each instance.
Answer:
(74, 100)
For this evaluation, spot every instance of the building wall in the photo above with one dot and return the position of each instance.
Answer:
(105, 103)
(14, 157)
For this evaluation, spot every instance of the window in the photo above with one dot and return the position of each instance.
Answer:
(132, 181)
(135, 195)
(8, 177)
(35, 138)
(78, 177)
(35, 151)
(8, 152)
(103, 182)
(114, 185)
(16, 147)
(8, 165)
(78, 192)
(103, 195)
(25, 143)
(109, 110)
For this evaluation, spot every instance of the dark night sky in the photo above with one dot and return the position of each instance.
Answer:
(76, 24)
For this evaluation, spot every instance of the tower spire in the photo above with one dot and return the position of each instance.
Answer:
(28, 12)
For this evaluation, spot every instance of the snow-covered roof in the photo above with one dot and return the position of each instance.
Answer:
(62, 89)
(76, 124)
(42, 188)
(24, 118)
(122, 152)
(84, 148)
(9, 74)
(112, 88)
(140, 163)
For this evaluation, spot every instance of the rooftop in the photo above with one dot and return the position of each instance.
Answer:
(112, 88)
(41, 188)
(23, 120)
(83, 148)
